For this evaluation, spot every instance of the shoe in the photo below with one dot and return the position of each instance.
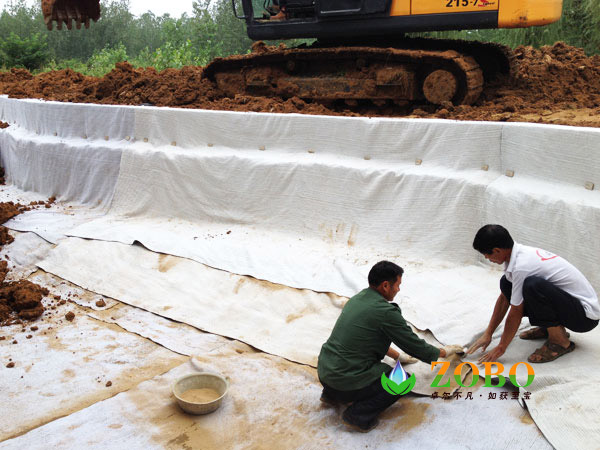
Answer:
(545, 353)
(362, 428)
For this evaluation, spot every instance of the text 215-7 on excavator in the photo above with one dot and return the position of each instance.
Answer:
(361, 51)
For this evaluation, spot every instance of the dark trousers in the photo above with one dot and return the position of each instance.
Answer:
(367, 403)
(549, 306)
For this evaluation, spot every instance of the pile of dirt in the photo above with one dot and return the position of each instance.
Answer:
(9, 210)
(555, 84)
(19, 300)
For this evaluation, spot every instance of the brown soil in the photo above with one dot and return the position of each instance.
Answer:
(19, 300)
(554, 84)
(204, 395)
(3, 125)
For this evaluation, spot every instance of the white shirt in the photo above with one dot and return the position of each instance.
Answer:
(529, 261)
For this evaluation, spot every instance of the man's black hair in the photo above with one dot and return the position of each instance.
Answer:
(490, 237)
(384, 271)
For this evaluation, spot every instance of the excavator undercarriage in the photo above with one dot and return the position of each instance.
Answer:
(435, 71)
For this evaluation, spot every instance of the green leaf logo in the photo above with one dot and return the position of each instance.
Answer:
(398, 389)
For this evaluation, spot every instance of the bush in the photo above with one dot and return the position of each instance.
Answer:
(169, 56)
(103, 61)
(30, 52)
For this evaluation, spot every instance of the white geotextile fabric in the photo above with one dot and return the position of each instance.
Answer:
(271, 405)
(349, 187)
(564, 396)
(359, 189)
(276, 319)
(56, 150)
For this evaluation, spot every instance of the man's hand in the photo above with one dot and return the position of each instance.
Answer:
(492, 355)
(482, 343)
(452, 349)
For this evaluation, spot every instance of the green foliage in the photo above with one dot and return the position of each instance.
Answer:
(216, 31)
(169, 55)
(29, 52)
(104, 61)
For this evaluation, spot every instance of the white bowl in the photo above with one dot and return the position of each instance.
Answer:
(200, 381)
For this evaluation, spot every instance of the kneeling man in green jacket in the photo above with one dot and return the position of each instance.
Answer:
(350, 363)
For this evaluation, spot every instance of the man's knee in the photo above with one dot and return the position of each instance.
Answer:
(532, 286)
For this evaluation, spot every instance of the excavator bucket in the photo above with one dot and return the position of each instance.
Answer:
(67, 11)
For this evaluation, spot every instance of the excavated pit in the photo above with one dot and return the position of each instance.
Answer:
(556, 84)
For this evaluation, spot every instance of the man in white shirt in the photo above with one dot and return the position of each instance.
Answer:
(540, 285)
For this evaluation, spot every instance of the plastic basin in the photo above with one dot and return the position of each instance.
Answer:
(200, 381)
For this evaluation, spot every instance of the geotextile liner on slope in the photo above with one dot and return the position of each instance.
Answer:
(555, 84)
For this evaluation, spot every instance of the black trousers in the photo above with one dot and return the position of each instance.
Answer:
(367, 403)
(549, 306)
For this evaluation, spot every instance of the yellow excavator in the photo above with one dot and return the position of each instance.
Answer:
(361, 51)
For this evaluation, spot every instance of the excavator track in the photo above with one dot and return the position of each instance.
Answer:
(432, 70)
(352, 73)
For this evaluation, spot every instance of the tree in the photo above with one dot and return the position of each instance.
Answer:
(30, 52)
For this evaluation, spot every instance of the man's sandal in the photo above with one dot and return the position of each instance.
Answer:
(536, 333)
(546, 352)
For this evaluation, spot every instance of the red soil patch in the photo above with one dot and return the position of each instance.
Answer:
(554, 84)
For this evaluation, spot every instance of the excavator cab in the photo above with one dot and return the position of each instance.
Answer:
(344, 19)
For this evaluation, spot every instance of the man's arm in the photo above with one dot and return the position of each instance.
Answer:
(392, 353)
(396, 328)
(500, 309)
(515, 315)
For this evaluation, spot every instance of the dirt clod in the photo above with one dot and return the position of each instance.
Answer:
(3, 125)
(108, 383)
(10, 365)
(101, 303)
(22, 299)
(70, 316)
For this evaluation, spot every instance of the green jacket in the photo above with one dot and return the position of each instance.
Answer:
(351, 357)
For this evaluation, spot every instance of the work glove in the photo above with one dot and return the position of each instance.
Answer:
(407, 359)
(454, 349)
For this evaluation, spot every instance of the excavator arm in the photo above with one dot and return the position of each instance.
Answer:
(67, 11)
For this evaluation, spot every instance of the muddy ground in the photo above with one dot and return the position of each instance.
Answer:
(556, 84)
